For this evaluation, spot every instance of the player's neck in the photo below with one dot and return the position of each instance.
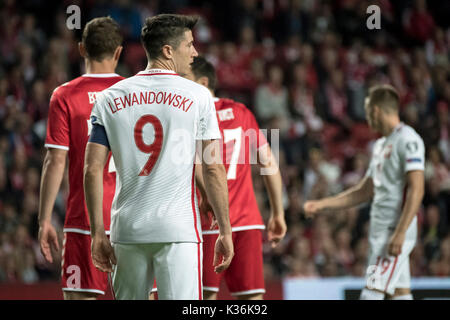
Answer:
(161, 64)
(390, 124)
(104, 66)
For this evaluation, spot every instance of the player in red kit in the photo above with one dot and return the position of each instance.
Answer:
(243, 144)
(68, 131)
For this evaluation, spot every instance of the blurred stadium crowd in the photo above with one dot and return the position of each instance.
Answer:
(303, 66)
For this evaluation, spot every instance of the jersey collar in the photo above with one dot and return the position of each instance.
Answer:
(151, 72)
(396, 129)
(100, 75)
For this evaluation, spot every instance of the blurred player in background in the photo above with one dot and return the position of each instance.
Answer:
(68, 130)
(394, 182)
(242, 139)
(151, 123)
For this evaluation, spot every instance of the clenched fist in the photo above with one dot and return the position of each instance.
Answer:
(312, 207)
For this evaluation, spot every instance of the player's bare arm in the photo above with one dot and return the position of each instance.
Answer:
(276, 226)
(415, 191)
(215, 178)
(204, 205)
(52, 174)
(360, 193)
(95, 159)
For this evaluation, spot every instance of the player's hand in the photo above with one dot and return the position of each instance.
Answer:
(205, 208)
(396, 243)
(276, 230)
(207, 211)
(102, 253)
(48, 240)
(312, 207)
(223, 253)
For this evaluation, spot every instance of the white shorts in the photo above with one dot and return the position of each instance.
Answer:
(387, 273)
(177, 268)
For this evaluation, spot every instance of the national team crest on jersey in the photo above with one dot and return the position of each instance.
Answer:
(412, 146)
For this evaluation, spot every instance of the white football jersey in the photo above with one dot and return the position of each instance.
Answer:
(152, 121)
(392, 157)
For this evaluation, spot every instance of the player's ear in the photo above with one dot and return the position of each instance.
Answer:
(117, 53)
(167, 52)
(204, 81)
(82, 49)
(376, 110)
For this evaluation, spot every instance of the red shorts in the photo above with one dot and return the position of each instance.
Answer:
(77, 270)
(245, 273)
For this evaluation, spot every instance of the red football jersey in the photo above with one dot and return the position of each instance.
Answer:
(68, 128)
(241, 138)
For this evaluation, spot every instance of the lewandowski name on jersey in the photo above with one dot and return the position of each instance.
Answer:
(149, 97)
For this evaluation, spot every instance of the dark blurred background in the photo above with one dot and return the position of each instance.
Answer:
(302, 66)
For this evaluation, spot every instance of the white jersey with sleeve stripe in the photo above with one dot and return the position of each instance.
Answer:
(152, 121)
(392, 157)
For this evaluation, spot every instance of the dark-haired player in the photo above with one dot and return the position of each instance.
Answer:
(68, 131)
(152, 123)
(243, 144)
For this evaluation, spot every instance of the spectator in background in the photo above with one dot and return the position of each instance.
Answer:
(23, 255)
(302, 95)
(307, 59)
(437, 48)
(293, 20)
(291, 51)
(248, 49)
(321, 176)
(335, 108)
(437, 174)
(271, 100)
(433, 231)
(37, 103)
(440, 266)
(232, 72)
(299, 262)
(358, 65)
(444, 125)
(357, 171)
(418, 23)
(9, 219)
(344, 253)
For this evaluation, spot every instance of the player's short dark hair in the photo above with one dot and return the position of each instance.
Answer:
(165, 29)
(101, 37)
(384, 96)
(203, 68)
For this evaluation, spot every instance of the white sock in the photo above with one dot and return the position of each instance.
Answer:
(403, 297)
(367, 294)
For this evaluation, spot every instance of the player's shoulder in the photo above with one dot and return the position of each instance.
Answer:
(120, 87)
(238, 107)
(378, 145)
(194, 87)
(407, 132)
(83, 83)
(66, 87)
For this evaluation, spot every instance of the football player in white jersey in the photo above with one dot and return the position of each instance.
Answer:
(394, 182)
(151, 122)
